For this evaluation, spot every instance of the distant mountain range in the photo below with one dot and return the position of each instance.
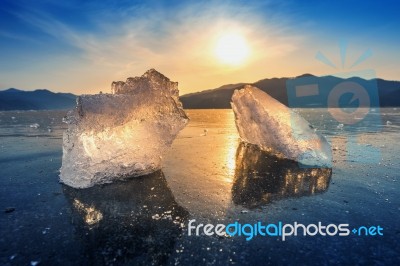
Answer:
(219, 98)
(13, 99)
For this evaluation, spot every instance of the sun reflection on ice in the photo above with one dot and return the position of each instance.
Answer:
(230, 159)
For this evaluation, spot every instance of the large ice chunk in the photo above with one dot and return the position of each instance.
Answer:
(267, 123)
(124, 134)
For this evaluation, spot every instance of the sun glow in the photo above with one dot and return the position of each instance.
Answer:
(232, 49)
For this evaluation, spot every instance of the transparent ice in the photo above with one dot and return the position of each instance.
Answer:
(267, 123)
(124, 134)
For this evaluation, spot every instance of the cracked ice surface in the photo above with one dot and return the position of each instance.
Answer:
(124, 134)
(267, 123)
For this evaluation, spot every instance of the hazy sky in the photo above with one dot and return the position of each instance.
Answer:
(78, 47)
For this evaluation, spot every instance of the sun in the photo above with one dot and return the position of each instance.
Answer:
(232, 49)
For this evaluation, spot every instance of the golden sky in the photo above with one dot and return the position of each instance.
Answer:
(202, 45)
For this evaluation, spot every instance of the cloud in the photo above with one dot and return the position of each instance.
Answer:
(183, 41)
(178, 41)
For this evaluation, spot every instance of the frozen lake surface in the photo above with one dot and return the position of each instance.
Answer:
(208, 176)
